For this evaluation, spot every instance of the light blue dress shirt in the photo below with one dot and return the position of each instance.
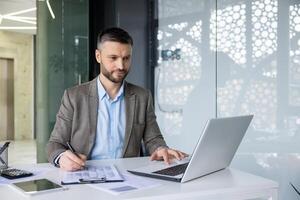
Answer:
(110, 125)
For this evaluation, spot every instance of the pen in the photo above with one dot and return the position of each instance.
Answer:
(72, 149)
(98, 180)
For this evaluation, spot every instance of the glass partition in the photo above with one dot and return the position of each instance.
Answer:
(233, 57)
(185, 71)
(259, 73)
(62, 60)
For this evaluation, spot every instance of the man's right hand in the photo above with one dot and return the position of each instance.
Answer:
(71, 162)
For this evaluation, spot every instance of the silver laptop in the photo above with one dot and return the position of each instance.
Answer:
(214, 151)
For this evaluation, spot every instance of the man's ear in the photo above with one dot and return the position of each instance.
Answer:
(98, 56)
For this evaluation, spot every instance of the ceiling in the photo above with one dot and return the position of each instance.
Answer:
(18, 16)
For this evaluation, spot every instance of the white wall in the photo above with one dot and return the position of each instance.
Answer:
(19, 48)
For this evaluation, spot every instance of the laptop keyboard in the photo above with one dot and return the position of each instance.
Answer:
(173, 171)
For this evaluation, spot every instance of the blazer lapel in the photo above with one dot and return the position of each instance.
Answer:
(93, 111)
(130, 110)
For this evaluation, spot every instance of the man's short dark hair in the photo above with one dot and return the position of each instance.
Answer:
(114, 34)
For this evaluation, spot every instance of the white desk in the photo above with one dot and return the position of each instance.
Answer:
(227, 184)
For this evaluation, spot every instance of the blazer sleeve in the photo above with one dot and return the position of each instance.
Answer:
(62, 130)
(152, 135)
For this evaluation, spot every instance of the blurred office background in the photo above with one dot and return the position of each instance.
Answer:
(200, 58)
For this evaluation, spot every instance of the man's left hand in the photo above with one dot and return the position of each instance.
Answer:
(167, 155)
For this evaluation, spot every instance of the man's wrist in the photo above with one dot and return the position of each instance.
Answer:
(161, 147)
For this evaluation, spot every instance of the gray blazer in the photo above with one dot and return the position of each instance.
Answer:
(76, 121)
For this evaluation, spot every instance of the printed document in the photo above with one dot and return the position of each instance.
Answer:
(93, 174)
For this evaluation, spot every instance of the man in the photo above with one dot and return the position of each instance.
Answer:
(107, 117)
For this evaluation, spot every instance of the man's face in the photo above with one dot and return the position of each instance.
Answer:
(115, 60)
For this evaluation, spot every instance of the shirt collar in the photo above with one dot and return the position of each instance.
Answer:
(102, 92)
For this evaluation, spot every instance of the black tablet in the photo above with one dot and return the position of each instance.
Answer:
(37, 186)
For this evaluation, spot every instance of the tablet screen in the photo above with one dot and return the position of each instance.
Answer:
(36, 186)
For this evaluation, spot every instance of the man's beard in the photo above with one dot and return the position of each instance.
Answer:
(109, 75)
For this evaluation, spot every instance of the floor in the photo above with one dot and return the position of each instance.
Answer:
(21, 152)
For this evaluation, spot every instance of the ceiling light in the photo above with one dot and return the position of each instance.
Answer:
(50, 9)
(17, 28)
(15, 18)
(29, 18)
(21, 12)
